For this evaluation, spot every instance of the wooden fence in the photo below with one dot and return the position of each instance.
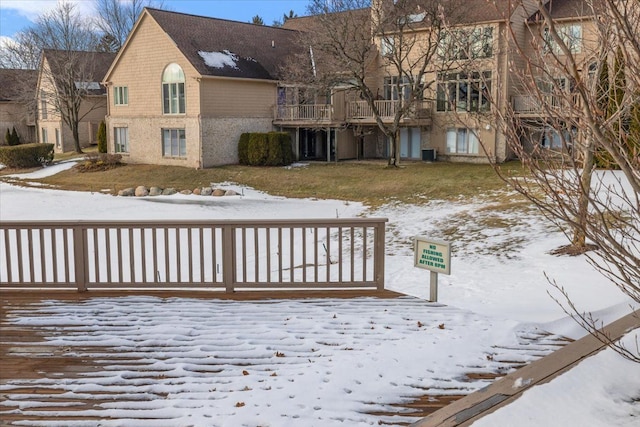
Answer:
(229, 255)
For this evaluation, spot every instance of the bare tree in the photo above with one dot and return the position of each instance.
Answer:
(116, 18)
(568, 110)
(359, 44)
(69, 70)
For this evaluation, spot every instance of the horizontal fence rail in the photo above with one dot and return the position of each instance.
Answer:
(229, 255)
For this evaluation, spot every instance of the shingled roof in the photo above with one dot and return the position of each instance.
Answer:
(91, 67)
(219, 47)
(14, 83)
(564, 9)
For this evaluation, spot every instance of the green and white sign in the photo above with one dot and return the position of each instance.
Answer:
(433, 255)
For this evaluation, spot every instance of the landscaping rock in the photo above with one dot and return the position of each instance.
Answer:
(217, 192)
(186, 192)
(196, 191)
(127, 192)
(155, 191)
(230, 193)
(169, 191)
(206, 191)
(141, 191)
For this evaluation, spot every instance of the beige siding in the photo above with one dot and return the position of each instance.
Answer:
(15, 114)
(225, 98)
(140, 67)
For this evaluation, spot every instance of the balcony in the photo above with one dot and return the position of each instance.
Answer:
(361, 112)
(544, 105)
(304, 114)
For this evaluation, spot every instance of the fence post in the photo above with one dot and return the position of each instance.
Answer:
(379, 255)
(228, 248)
(80, 258)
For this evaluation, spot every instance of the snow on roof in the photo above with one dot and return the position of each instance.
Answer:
(219, 59)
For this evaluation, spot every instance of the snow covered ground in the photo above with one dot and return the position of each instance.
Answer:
(325, 363)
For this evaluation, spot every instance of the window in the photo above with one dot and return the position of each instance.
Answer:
(45, 136)
(387, 46)
(392, 84)
(174, 143)
(173, 100)
(571, 36)
(121, 140)
(557, 140)
(121, 95)
(462, 141)
(466, 43)
(463, 91)
(43, 105)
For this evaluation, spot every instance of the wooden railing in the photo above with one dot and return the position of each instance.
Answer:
(361, 110)
(309, 112)
(529, 104)
(229, 255)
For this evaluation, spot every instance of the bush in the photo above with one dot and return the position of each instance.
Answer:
(26, 155)
(99, 162)
(15, 139)
(268, 149)
(243, 149)
(101, 136)
(7, 137)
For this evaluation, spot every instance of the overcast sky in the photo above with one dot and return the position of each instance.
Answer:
(15, 15)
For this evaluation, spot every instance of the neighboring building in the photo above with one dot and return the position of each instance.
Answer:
(69, 84)
(183, 88)
(17, 95)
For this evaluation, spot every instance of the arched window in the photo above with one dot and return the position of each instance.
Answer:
(173, 90)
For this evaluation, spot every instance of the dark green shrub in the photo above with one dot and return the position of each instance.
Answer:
(15, 139)
(26, 155)
(257, 153)
(101, 137)
(243, 149)
(7, 137)
(268, 149)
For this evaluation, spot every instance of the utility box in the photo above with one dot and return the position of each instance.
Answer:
(429, 155)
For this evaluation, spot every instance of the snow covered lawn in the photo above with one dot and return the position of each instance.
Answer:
(328, 362)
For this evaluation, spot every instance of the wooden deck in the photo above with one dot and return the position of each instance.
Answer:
(26, 356)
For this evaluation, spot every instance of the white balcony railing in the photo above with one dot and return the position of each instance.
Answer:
(310, 112)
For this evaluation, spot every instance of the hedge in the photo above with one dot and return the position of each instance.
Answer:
(265, 149)
(26, 155)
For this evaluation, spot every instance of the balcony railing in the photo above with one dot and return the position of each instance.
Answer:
(361, 110)
(228, 255)
(542, 105)
(304, 112)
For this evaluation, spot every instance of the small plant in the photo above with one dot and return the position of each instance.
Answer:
(99, 162)
(101, 137)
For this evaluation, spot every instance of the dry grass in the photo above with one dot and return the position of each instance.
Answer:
(371, 182)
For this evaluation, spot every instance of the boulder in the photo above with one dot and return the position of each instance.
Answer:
(127, 192)
(169, 191)
(217, 192)
(206, 191)
(196, 191)
(155, 191)
(141, 191)
(186, 192)
(230, 193)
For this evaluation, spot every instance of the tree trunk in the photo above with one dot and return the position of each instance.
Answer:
(578, 240)
(76, 138)
(394, 149)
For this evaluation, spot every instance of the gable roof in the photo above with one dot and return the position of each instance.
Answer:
(14, 83)
(91, 67)
(565, 9)
(223, 48)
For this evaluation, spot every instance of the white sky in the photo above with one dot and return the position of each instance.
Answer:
(331, 369)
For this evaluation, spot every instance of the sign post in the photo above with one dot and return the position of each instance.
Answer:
(435, 256)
